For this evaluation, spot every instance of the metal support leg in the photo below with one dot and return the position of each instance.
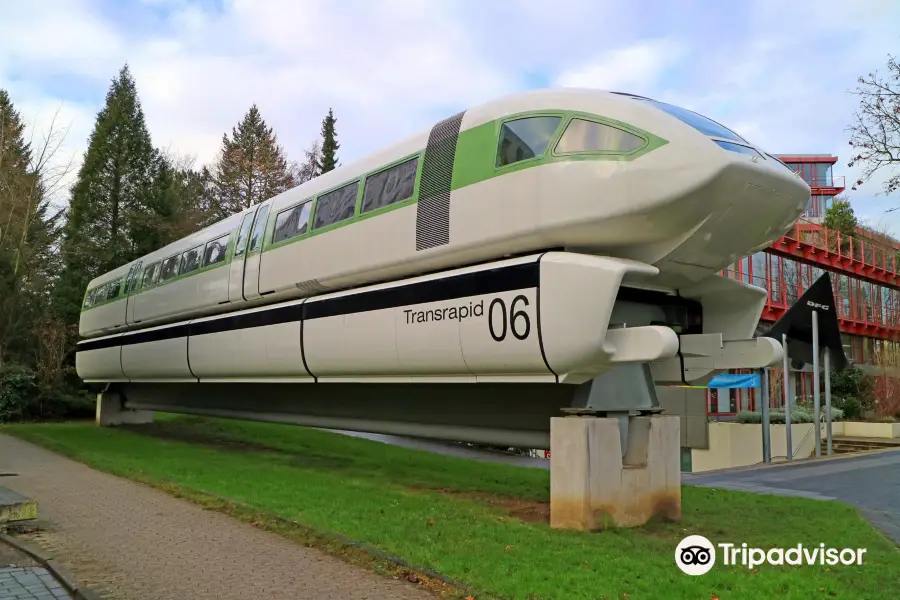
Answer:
(828, 401)
(787, 399)
(764, 409)
(817, 417)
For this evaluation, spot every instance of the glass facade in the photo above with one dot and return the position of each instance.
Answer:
(869, 313)
(815, 174)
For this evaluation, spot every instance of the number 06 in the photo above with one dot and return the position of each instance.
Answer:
(519, 330)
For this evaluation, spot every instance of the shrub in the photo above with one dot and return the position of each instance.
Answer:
(19, 394)
(851, 406)
(24, 398)
(799, 414)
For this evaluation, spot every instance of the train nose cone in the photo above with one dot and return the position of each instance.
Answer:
(746, 213)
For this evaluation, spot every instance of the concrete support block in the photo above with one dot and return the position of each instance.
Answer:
(16, 507)
(592, 486)
(110, 412)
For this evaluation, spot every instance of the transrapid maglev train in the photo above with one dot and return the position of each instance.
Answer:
(547, 236)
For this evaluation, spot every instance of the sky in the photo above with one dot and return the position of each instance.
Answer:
(776, 72)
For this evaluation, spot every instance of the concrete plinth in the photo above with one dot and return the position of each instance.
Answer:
(592, 486)
(16, 507)
(110, 412)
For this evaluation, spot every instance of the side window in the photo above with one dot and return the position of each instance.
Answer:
(525, 138)
(112, 289)
(392, 185)
(149, 277)
(336, 206)
(89, 298)
(99, 295)
(215, 251)
(190, 260)
(587, 136)
(133, 280)
(243, 234)
(291, 222)
(169, 268)
(259, 229)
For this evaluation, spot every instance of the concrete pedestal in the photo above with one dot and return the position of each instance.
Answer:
(592, 486)
(110, 412)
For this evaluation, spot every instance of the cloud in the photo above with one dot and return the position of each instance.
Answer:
(777, 73)
(638, 66)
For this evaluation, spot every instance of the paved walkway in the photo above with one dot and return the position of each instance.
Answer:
(130, 542)
(30, 583)
(22, 578)
(871, 482)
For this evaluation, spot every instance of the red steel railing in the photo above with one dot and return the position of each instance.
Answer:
(814, 244)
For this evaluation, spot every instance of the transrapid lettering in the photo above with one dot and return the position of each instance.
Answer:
(454, 313)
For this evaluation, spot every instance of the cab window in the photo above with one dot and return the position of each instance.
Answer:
(588, 136)
(528, 137)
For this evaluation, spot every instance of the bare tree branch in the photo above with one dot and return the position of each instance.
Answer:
(875, 136)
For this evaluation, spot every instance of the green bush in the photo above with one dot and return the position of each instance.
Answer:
(799, 414)
(851, 406)
(24, 398)
(19, 394)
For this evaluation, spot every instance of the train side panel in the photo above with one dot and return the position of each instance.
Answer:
(157, 354)
(260, 344)
(105, 318)
(100, 360)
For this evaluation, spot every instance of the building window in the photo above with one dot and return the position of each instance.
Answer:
(390, 186)
(215, 251)
(822, 174)
(190, 260)
(522, 139)
(587, 136)
(759, 271)
(169, 268)
(336, 206)
(291, 222)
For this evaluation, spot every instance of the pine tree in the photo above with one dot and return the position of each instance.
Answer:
(28, 232)
(252, 166)
(117, 204)
(330, 144)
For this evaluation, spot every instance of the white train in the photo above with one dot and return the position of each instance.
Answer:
(545, 236)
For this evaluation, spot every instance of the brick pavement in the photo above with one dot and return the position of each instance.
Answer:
(30, 583)
(130, 542)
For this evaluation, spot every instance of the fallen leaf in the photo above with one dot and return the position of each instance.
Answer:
(508, 547)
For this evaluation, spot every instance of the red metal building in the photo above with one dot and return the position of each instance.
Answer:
(865, 271)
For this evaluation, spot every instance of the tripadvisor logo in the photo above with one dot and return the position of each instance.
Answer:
(696, 555)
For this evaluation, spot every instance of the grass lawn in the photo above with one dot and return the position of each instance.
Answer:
(479, 523)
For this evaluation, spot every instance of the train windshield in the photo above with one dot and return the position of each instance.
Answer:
(698, 122)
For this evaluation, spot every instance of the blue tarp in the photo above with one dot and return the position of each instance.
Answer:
(729, 381)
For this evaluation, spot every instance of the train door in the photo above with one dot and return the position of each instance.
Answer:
(132, 282)
(236, 268)
(254, 254)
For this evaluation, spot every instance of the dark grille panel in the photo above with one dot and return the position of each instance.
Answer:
(433, 208)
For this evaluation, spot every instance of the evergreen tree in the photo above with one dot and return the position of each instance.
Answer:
(252, 166)
(15, 181)
(117, 203)
(330, 144)
(28, 232)
(840, 217)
